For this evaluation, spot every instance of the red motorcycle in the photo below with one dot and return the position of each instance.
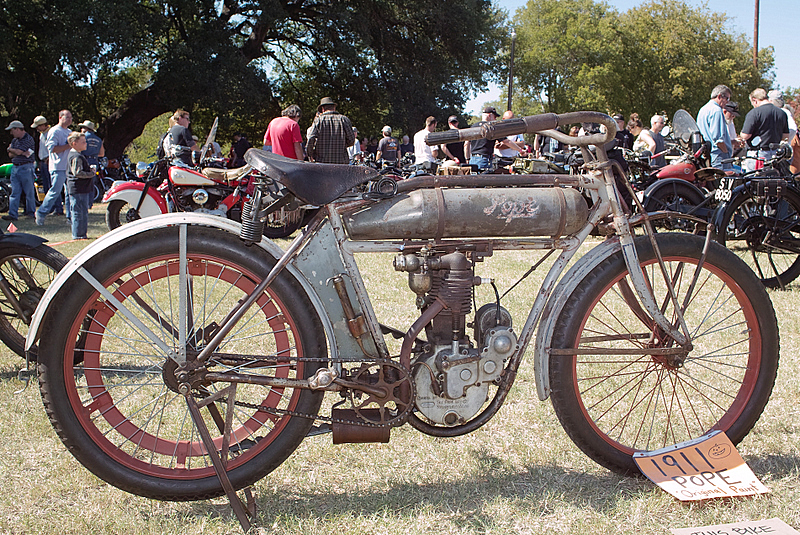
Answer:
(170, 186)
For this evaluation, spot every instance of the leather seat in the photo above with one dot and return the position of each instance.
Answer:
(313, 183)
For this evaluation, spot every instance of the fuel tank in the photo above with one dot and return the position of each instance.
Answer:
(471, 213)
(185, 177)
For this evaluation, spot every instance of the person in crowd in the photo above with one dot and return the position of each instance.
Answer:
(57, 148)
(180, 136)
(776, 98)
(239, 146)
(331, 134)
(731, 111)
(764, 125)
(714, 129)
(480, 151)
(355, 148)
(79, 185)
(164, 143)
(644, 141)
(372, 145)
(94, 143)
(406, 146)
(42, 155)
(623, 136)
(283, 134)
(21, 152)
(511, 146)
(388, 147)
(454, 151)
(657, 123)
(422, 151)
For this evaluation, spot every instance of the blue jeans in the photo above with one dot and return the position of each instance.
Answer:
(79, 209)
(53, 198)
(22, 182)
(483, 162)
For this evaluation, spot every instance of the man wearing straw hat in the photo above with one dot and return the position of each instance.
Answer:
(94, 143)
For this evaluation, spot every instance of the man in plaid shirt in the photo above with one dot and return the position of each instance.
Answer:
(22, 173)
(331, 134)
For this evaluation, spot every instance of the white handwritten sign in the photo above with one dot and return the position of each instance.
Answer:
(706, 467)
(773, 526)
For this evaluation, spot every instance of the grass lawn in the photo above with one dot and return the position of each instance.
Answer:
(518, 474)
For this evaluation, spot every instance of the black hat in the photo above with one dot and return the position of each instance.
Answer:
(452, 119)
(491, 109)
(618, 117)
(732, 107)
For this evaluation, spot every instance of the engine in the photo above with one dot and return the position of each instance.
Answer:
(201, 199)
(451, 374)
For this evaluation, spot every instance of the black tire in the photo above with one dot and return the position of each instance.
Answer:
(676, 196)
(28, 272)
(283, 223)
(99, 192)
(120, 212)
(763, 234)
(613, 405)
(5, 194)
(111, 393)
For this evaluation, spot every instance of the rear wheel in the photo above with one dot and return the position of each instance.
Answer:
(25, 274)
(283, 222)
(629, 387)
(113, 395)
(675, 196)
(765, 233)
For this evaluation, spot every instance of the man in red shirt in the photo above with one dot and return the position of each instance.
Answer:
(283, 134)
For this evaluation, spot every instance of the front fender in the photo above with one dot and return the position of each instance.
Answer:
(138, 227)
(21, 238)
(667, 182)
(718, 217)
(131, 192)
(554, 306)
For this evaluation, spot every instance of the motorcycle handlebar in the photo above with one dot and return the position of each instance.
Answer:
(545, 124)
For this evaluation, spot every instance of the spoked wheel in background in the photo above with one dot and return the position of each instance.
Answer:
(676, 196)
(624, 391)
(113, 394)
(25, 273)
(120, 212)
(765, 233)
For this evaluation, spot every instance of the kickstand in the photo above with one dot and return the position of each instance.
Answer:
(243, 513)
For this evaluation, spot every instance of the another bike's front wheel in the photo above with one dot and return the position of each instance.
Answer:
(25, 274)
(115, 397)
(621, 385)
(765, 233)
(120, 212)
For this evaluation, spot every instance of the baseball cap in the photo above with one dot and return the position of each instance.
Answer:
(15, 124)
(387, 130)
(618, 117)
(39, 121)
(732, 107)
(491, 109)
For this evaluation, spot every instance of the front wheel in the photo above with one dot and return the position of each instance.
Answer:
(25, 274)
(120, 212)
(765, 233)
(629, 387)
(113, 394)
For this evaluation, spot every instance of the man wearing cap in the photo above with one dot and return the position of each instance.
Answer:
(623, 136)
(422, 151)
(42, 155)
(388, 147)
(58, 150)
(711, 122)
(731, 111)
(94, 143)
(455, 150)
(480, 151)
(331, 133)
(764, 125)
(21, 153)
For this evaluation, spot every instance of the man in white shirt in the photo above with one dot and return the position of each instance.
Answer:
(422, 151)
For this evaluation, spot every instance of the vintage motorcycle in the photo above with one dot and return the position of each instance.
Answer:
(27, 267)
(187, 357)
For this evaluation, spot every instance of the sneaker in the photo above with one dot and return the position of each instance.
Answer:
(39, 219)
(9, 218)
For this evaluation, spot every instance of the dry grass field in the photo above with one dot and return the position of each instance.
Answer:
(518, 474)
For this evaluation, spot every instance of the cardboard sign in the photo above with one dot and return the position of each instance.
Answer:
(773, 526)
(706, 467)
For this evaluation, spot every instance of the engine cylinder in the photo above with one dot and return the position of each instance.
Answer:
(470, 213)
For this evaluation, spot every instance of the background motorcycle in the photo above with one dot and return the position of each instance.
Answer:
(27, 267)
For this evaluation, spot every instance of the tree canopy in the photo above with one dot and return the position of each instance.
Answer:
(123, 62)
(660, 56)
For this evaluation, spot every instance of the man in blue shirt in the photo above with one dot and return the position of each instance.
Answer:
(714, 129)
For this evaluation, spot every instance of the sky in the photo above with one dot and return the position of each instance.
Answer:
(777, 25)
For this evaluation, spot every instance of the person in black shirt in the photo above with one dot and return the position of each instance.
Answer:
(239, 147)
(480, 150)
(454, 151)
(179, 141)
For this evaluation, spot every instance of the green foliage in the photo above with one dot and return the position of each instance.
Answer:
(660, 56)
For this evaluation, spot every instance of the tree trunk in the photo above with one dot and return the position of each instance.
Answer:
(128, 121)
